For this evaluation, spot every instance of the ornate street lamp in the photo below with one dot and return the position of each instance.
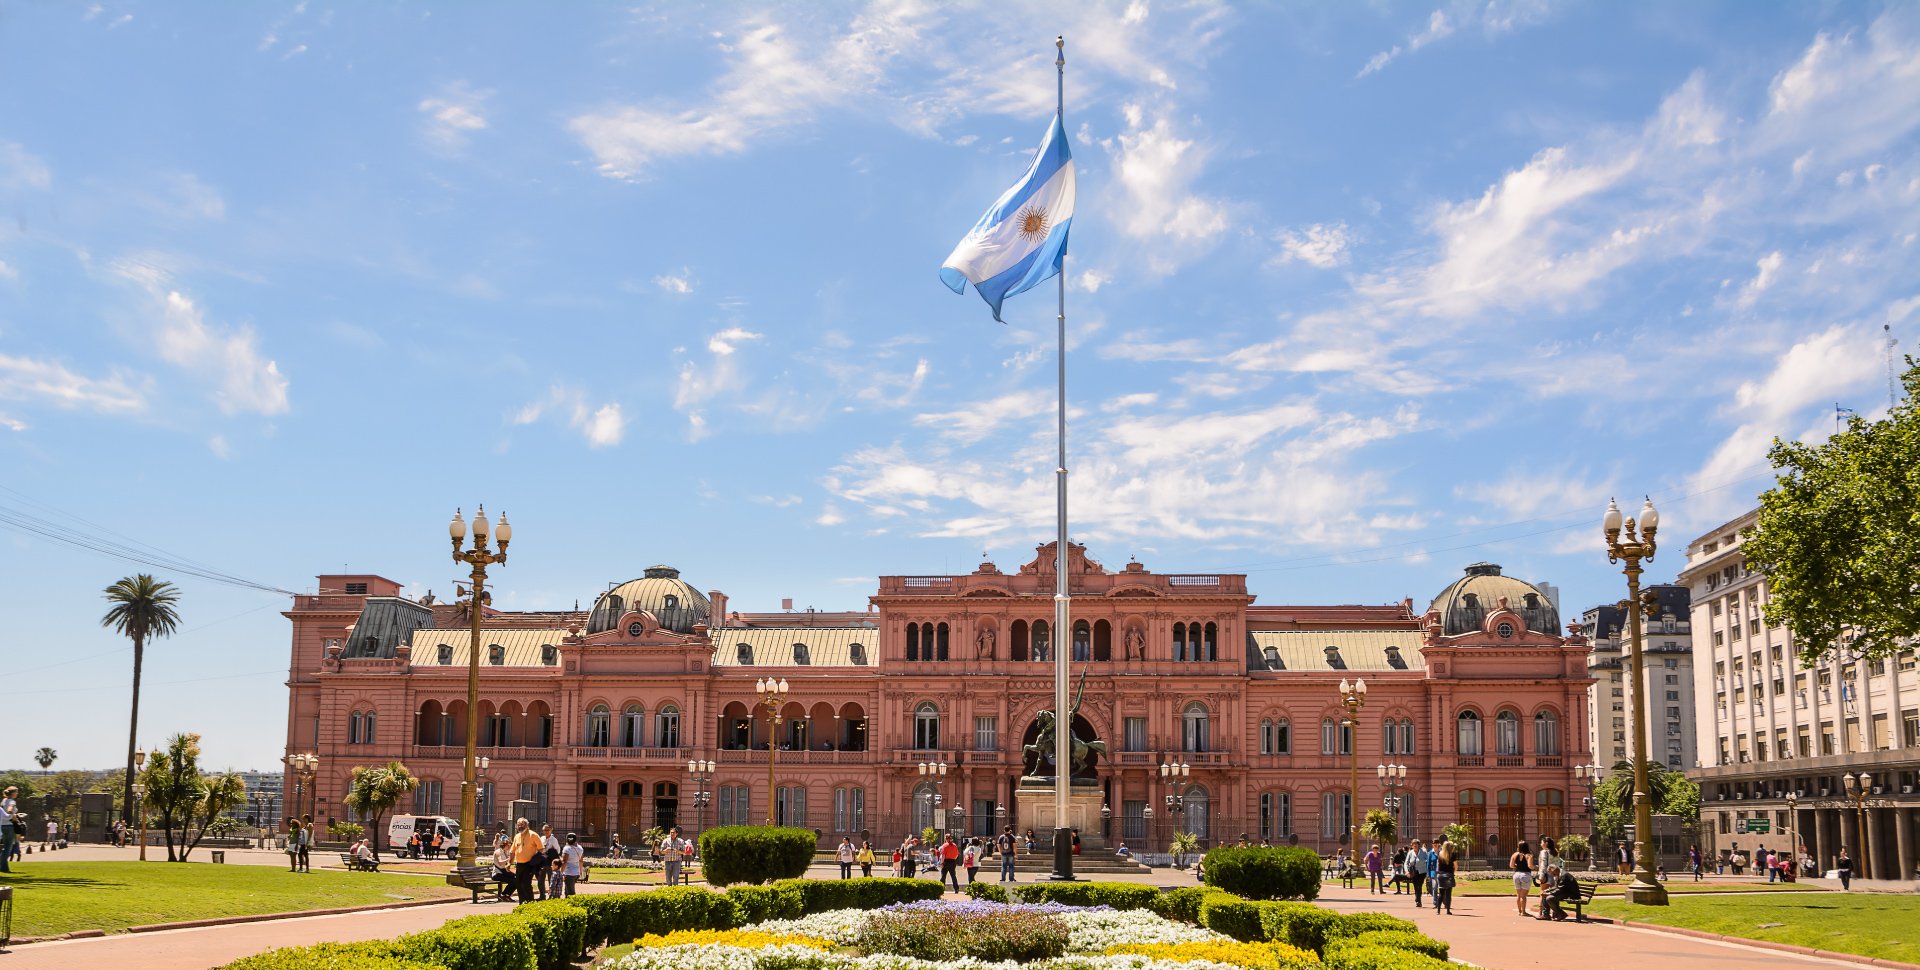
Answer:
(479, 557)
(936, 772)
(1353, 696)
(303, 765)
(702, 774)
(1638, 546)
(140, 801)
(1793, 826)
(773, 694)
(1393, 778)
(1590, 775)
(1174, 775)
(1858, 787)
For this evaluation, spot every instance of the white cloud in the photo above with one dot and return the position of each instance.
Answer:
(20, 169)
(245, 379)
(726, 341)
(602, 427)
(1493, 18)
(218, 445)
(830, 515)
(453, 115)
(1320, 245)
(978, 420)
(680, 283)
(1768, 269)
(1155, 168)
(189, 198)
(8, 272)
(12, 424)
(1528, 493)
(44, 381)
(1090, 281)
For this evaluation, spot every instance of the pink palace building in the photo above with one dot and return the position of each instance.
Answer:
(593, 717)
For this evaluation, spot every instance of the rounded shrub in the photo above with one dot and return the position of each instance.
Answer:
(1403, 940)
(1354, 924)
(473, 943)
(733, 854)
(988, 891)
(1352, 954)
(1256, 873)
(1183, 905)
(757, 904)
(330, 956)
(1119, 895)
(1299, 924)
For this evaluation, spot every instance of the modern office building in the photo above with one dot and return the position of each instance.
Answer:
(1778, 728)
(1668, 643)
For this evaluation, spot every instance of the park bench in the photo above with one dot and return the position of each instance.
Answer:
(360, 865)
(476, 879)
(1580, 900)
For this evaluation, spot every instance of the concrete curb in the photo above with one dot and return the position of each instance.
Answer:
(1767, 945)
(230, 920)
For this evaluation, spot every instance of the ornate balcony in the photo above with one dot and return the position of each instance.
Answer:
(457, 752)
(758, 756)
(632, 756)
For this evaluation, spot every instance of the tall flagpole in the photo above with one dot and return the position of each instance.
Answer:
(1062, 633)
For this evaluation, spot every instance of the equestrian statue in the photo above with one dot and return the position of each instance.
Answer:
(1043, 741)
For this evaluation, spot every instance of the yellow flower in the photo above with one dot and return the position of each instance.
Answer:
(1255, 956)
(750, 939)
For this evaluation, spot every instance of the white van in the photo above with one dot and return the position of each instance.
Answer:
(401, 829)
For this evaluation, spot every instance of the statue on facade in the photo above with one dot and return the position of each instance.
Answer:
(1082, 753)
(983, 643)
(1136, 644)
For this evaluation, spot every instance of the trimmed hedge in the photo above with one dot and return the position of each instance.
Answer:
(734, 854)
(1119, 895)
(1254, 873)
(559, 931)
(1352, 954)
(624, 917)
(1234, 917)
(1400, 940)
(755, 904)
(821, 895)
(331, 956)
(1183, 905)
(989, 891)
(1354, 924)
(473, 943)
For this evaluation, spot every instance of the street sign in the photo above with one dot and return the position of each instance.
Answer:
(1760, 826)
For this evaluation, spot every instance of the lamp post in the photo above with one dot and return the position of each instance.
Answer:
(773, 693)
(1639, 546)
(1353, 696)
(1392, 778)
(480, 784)
(702, 774)
(1858, 787)
(479, 557)
(936, 772)
(1590, 775)
(303, 765)
(140, 801)
(1174, 775)
(1793, 832)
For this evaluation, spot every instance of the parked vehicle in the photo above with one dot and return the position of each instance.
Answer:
(402, 828)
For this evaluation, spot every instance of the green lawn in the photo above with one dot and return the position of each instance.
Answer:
(1866, 924)
(623, 876)
(1504, 887)
(50, 898)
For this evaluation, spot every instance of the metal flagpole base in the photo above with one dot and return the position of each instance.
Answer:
(1063, 856)
(1643, 892)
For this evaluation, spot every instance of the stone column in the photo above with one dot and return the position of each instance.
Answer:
(1902, 857)
(1811, 833)
(1850, 836)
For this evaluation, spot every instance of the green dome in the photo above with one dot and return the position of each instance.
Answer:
(1464, 605)
(660, 591)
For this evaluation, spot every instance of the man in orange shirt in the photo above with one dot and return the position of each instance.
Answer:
(529, 858)
(950, 862)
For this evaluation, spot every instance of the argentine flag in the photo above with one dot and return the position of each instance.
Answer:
(1022, 239)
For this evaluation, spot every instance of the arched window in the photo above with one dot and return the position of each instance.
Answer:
(1468, 738)
(633, 726)
(1390, 737)
(1550, 804)
(1211, 643)
(1082, 640)
(1546, 733)
(857, 653)
(666, 726)
(1198, 805)
(800, 656)
(368, 734)
(496, 654)
(666, 802)
(1018, 649)
(670, 602)
(1102, 641)
(1276, 815)
(1506, 734)
(1473, 812)
(600, 726)
(549, 654)
(940, 643)
(743, 653)
(353, 728)
(1180, 641)
(445, 655)
(1266, 735)
(594, 808)
(913, 641)
(1042, 644)
(1329, 735)
(1193, 727)
(926, 727)
(1406, 736)
(1283, 736)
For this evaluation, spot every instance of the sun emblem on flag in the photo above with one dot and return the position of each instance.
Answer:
(1033, 222)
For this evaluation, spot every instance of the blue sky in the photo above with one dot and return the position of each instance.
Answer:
(1358, 294)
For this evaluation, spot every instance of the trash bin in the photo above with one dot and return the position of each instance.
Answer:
(219, 856)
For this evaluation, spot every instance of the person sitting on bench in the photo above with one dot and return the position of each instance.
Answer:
(1561, 887)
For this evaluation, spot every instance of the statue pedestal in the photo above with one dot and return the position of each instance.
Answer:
(1036, 811)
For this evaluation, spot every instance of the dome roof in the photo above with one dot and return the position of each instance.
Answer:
(672, 601)
(1464, 605)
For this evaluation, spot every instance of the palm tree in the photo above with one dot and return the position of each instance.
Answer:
(375, 790)
(45, 758)
(142, 607)
(1381, 826)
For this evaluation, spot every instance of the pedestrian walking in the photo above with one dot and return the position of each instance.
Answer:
(571, 856)
(306, 843)
(971, 859)
(293, 844)
(865, 858)
(1844, 866)
(846, 854)
(1444, 872)
(1398, 867)
(529, 859)
(1375, 865)
(907, 860)
(1417, 870)
(675, 851)
(950, 861)
(1693, 861)
(1006, 846)
(1522, 864)
(549, 876)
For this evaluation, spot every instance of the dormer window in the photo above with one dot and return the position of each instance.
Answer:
(670, 602)
(1334, 659)
(1272, 656)
(445, 655)
(800, 655)
(1395, 660)
(372, 649)
(496, 654)
(1533, 601)
(744, 654)
(549, 654)
(858, 653)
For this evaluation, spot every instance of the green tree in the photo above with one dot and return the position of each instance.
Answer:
(1669, 791)
(186, 800)
(375, 790)
(1380, 826)
(45, 757)
(1184, 844)
(1461, 835)
(1835, 536)
(143, 608)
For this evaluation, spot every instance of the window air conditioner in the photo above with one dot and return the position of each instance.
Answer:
(1877, 790)
(1824, 792)
(1906, 789)
(1739, 794)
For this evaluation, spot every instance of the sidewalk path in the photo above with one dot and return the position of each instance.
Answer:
(1485, 931)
